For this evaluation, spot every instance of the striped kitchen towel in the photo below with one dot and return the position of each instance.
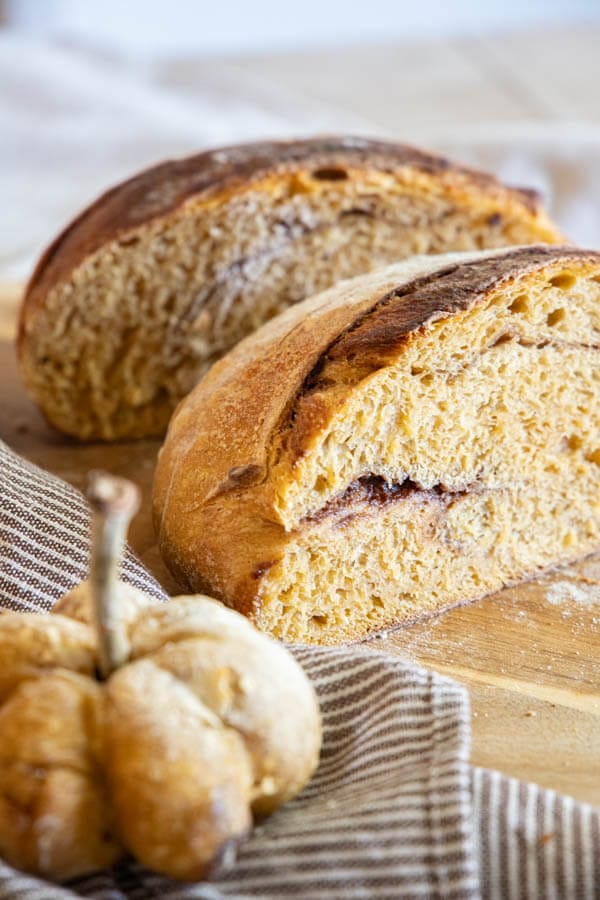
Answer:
(394, 810)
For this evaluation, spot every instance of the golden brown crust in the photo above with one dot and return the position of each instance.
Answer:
(30, 644)
(180, 774)
(154, 193)
(259, 408)
(238, 674)
(54, 818)
(76, 603)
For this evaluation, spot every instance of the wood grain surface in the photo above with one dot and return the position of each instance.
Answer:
(530, 655)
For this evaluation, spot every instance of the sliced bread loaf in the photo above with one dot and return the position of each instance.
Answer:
(408, 440)
(166, 272)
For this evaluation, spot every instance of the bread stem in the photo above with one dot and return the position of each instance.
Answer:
(114, 502)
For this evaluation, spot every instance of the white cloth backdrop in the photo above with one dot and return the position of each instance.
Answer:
(74, 123)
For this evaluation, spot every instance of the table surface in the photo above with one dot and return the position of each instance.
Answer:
(528, 655)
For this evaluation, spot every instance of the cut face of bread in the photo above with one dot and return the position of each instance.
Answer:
(168, 271)
(410, 440)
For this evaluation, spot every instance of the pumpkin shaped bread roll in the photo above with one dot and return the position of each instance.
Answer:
(406, 441)
(159, 733)
(164, 273)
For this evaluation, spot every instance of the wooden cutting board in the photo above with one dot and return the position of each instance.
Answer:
(530, 655)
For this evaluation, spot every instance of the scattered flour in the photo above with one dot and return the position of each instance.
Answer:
(564, 591)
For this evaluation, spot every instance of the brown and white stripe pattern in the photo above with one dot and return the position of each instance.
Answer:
(533, 842)
(394, 811)
(44, 538)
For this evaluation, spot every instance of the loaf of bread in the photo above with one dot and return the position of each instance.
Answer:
(165, 273)
(408, 440)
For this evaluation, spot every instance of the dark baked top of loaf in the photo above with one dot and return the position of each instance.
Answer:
(443, 292)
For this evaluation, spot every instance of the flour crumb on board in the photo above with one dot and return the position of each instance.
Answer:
(569, 591)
